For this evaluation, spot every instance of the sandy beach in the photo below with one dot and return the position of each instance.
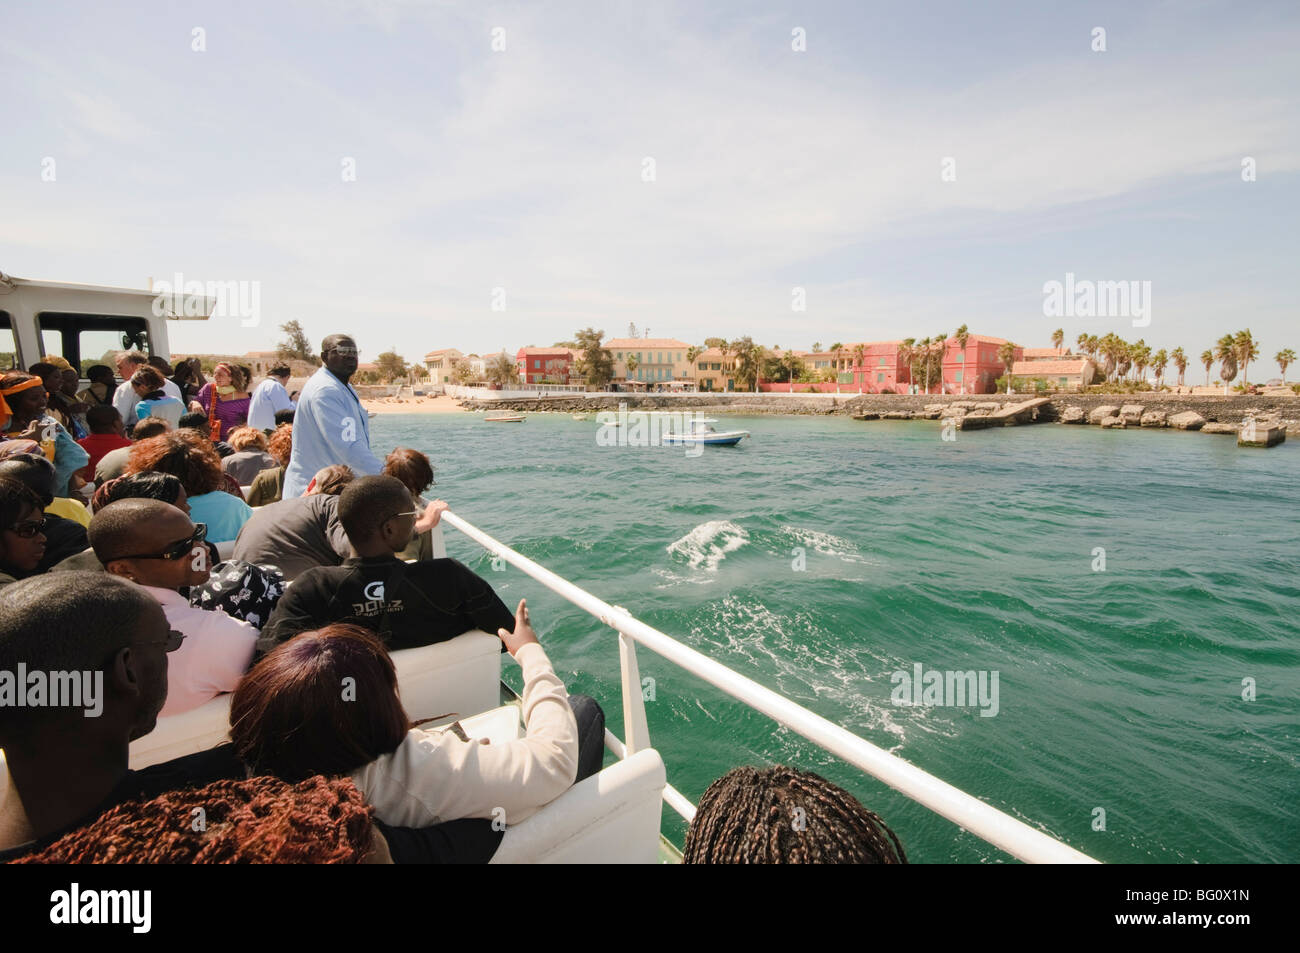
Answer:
(412, 405)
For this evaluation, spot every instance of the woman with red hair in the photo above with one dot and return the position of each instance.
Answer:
(191, 459)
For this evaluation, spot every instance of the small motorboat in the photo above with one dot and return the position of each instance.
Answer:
(505, 419)
(701, 432)
(579, 416)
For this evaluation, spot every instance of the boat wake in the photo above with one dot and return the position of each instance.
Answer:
(708, 544)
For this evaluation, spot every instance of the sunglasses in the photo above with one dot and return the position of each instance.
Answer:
(169, 644)
(396, 515)
(28, 528)
(346, 351)
(177, 550)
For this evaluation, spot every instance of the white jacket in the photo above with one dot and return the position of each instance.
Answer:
(434, 776)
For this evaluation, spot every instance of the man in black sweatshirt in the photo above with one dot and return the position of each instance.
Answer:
(405, 604)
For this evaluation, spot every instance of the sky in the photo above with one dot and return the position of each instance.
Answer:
(378, 167)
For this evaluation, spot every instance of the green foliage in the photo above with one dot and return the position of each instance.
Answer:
(294, 345)
(596, 366)
(501, 370)
(391, 366)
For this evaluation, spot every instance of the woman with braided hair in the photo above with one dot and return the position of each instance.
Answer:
(256, 821)
(782, 815)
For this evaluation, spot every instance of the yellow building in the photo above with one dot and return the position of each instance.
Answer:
(715, 371)
(439, 364)
(658, 360)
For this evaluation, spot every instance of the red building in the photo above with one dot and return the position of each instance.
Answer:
(544, 365)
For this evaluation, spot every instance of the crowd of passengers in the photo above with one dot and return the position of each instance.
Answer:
(112, 499)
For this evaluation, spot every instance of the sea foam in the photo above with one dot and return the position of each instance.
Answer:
(708, 544)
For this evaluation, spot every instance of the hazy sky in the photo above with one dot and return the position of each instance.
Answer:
(524, 169)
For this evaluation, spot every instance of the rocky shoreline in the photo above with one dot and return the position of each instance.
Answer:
(1204, 413)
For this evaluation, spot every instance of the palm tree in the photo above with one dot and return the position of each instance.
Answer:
(1058, 338)
(1141, 354)
(907, 351)
(632, 364)
(1207, 358)
(1081, 342)
(859, 355)
(1225, 349)
(1094, 345)
(817, 347)
(1007, 355)
(1284, 360)
(962, 335)
(1180, 361)
(1247, 351)
(1158, 362)
(1123, 356)
(692, 353)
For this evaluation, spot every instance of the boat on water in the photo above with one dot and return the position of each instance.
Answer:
(700, 432)
(505, 419)
(617, 815)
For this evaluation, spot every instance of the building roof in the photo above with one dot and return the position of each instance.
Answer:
(1045, 353)
(713, 354)
(440, 352)
(626, 343)
(1063, 368)
(567, 352)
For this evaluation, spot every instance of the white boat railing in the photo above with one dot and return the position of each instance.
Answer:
(997, 828)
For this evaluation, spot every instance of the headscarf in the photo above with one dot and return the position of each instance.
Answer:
(60, 362)
(5, 410)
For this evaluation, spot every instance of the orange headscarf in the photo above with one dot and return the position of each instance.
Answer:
(5, 410)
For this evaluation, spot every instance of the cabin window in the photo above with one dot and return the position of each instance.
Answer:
(8, 346)
(88, 339)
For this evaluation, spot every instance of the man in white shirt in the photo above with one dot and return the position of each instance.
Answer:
(269, 398)
(330, 425)
(155, 545)
(125, 398)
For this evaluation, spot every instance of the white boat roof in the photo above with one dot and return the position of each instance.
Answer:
(206, 304)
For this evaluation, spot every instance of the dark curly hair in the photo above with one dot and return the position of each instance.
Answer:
(254, 821)
(186, 455)
(782, 815)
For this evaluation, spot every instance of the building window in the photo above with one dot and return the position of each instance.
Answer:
(1062, 381)
(620, 355)
(882, 361)
(961, 357)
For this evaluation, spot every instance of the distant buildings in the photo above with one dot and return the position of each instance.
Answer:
(714, 371)
(871, 367)
(440, 363)
(545, 365)
(657, 360)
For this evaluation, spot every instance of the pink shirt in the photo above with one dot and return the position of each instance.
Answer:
(213, 658)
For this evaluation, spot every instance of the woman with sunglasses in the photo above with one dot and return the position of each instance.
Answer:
(23, 399)
(22, 542)
(155, 545)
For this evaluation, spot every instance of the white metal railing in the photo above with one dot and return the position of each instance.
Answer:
(1002, 830)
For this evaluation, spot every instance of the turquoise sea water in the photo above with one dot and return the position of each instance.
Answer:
(1119, 689)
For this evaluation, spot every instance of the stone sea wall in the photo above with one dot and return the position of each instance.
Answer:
(1226, 410)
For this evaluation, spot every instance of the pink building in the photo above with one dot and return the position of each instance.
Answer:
(971, 370)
